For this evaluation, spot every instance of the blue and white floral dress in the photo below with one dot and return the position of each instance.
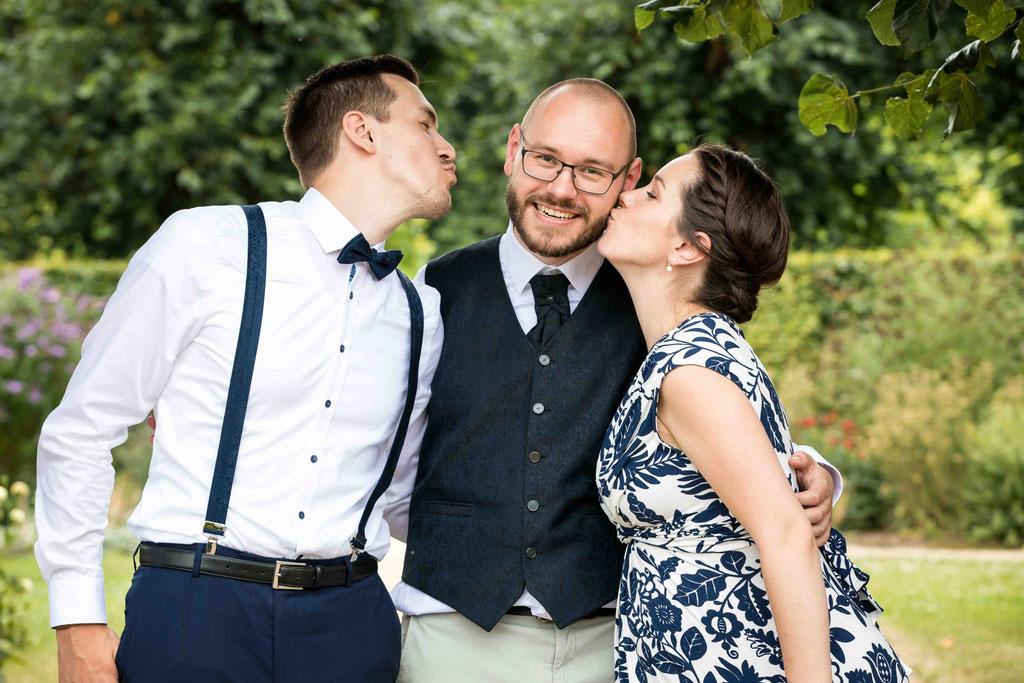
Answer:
(692, 600)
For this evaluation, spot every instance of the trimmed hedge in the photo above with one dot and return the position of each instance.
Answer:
(901, 367)
(906, 369)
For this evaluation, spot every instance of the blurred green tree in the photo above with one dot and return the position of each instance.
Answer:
(117, 113)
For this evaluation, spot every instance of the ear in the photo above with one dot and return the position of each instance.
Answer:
(686, 253)
(633, 175)
(360, 130)
(515, 136)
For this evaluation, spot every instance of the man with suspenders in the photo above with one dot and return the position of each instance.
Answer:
(287, 362)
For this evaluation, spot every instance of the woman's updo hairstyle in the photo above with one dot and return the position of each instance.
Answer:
(738, 207)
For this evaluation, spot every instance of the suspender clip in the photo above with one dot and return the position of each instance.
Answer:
(358, 545)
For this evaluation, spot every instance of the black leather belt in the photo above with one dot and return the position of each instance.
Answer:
(521, 611)
(281, 575)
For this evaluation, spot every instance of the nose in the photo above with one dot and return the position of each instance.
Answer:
(626, 199)
(445, 150)
(562, 185)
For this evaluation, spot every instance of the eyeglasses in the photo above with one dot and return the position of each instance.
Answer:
(543, 166)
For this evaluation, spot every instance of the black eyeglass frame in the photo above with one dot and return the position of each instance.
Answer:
(572, 169)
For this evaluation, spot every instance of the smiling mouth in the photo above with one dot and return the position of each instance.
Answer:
(554, 213)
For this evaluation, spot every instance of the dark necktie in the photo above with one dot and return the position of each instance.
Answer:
(381, 264)
(551, 300)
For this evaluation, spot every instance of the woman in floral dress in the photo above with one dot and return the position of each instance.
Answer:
(722, 579)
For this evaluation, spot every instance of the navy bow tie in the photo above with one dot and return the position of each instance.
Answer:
(381, 264)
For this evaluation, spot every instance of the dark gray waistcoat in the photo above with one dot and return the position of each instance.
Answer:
(505, 496)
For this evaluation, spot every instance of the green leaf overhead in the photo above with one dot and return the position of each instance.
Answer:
(916, 22)
(976, 6)
(642, 18)
(880, 18)
(791, 9)
(698, 26)
(754, 28)
(962, 102)
(975, 56)
(990, 25)
(908, 115)
(825, 100)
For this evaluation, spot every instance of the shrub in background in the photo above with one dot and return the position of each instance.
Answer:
(992, 501)
(864, 504)
(919, 436)
(41, 332)
(14, 503)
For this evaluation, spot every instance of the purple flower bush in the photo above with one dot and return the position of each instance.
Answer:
(41, 333)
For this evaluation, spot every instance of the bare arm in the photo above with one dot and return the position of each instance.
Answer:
(710, 419)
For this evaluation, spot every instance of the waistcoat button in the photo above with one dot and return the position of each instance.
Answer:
(534, 456)
(544, 359)
(531, 553)
(538, 408)
(532, 506)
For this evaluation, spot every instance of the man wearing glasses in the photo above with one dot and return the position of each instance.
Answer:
(512, 569)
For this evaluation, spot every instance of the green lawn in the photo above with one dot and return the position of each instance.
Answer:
(951, 620)
(39, 661)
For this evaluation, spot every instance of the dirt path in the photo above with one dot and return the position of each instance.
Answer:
(924, 552)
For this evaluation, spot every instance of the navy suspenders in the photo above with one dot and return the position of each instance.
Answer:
(241, 379)
(416, 345)
(241, 375)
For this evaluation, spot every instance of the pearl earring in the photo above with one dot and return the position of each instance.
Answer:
(668, 268)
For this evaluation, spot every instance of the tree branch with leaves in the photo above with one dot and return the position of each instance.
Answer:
(909, 24)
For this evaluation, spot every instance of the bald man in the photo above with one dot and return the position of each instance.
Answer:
(511, 569)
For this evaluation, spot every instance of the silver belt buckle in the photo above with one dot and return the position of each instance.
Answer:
(277, 575)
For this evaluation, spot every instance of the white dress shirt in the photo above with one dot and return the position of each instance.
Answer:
(518, 265)
(327, 391)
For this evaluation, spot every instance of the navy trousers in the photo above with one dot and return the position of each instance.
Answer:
(180, 627)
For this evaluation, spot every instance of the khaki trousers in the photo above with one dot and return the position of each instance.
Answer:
(449, 648)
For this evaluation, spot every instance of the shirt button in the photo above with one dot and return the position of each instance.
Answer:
(343, 348)
(538, 408)
(302, 515)
(544, 359)
(327, 403)
(534, 456)
(532, 506)
(531, 553)
(312, 458)
(350, 295)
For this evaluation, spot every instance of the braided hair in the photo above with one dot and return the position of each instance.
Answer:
(738, 207)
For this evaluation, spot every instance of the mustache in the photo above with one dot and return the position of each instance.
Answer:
(540, 198)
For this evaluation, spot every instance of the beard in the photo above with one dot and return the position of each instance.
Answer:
(544, 242)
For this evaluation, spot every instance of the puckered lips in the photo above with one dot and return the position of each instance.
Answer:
(553, 215)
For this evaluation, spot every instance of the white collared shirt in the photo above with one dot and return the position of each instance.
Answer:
(327, 392)
(518, 265)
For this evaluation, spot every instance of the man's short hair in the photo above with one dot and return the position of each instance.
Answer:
(594, 89)
(313, 113)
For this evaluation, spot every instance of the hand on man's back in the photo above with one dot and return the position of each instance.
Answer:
(815, 483)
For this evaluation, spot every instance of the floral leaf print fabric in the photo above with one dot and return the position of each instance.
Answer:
(693, 605)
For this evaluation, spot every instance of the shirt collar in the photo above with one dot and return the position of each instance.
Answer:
(330, 227)
(580, 270)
